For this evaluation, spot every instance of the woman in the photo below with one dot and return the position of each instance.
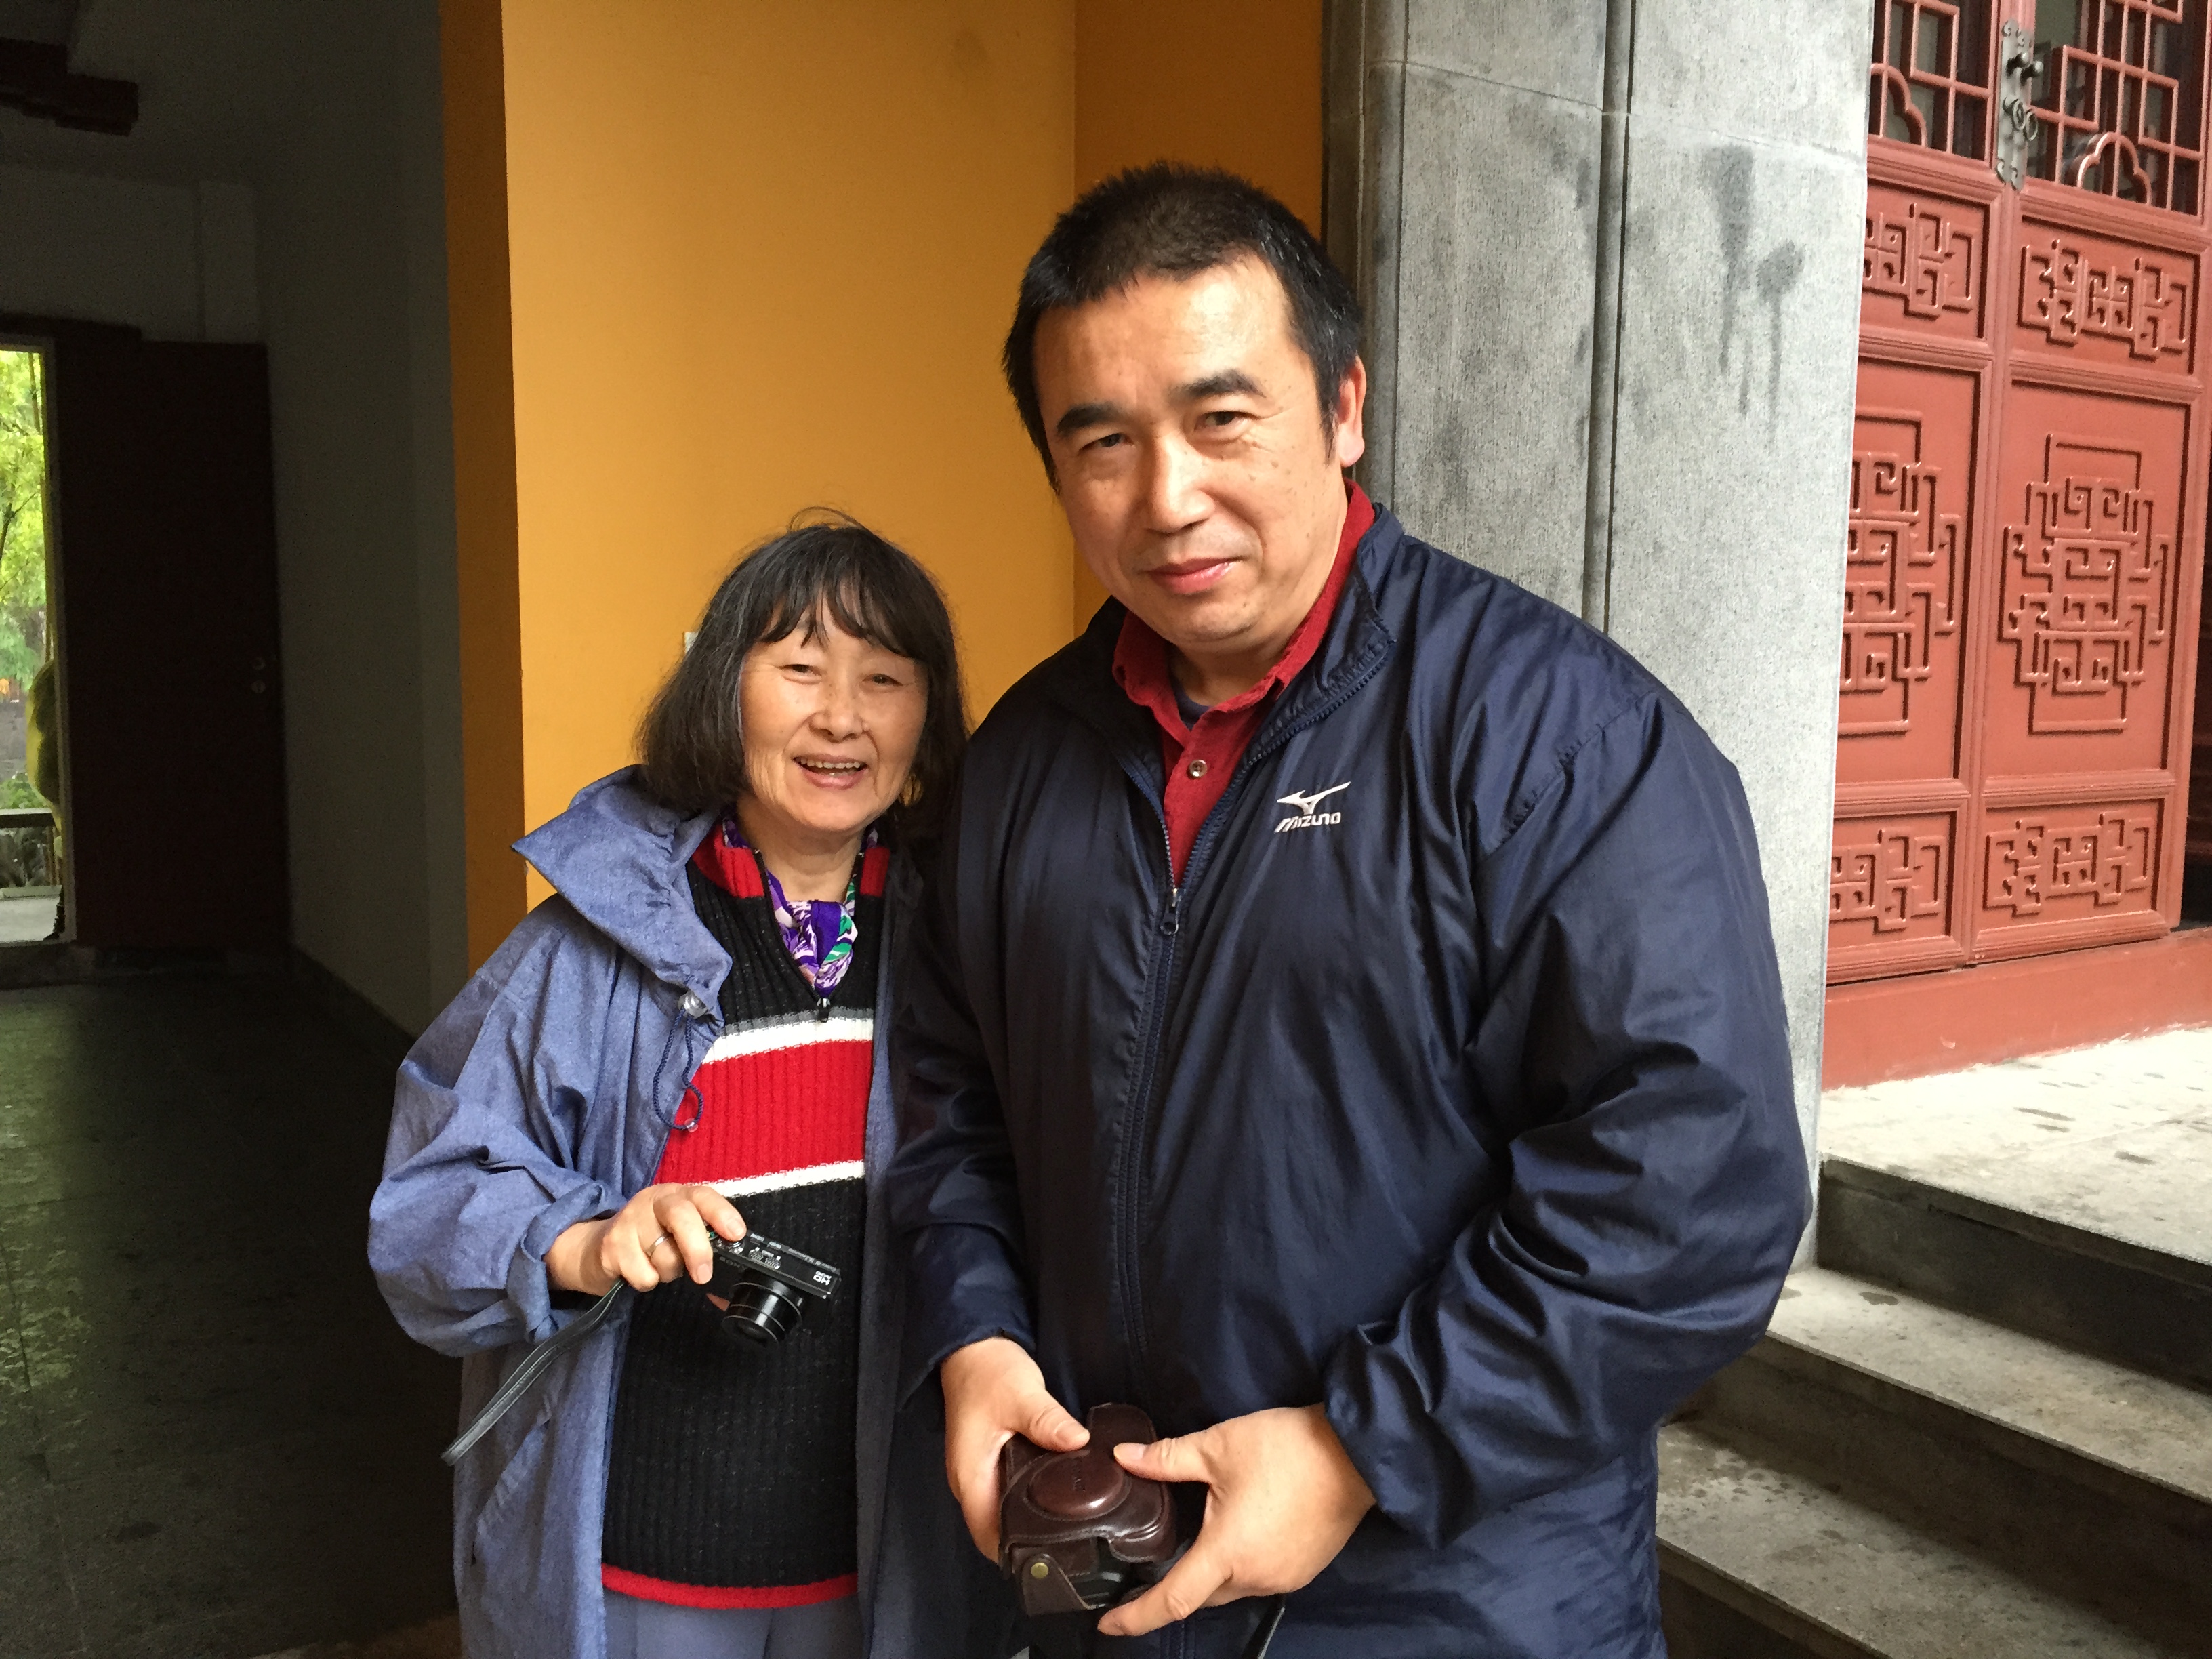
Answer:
(689, 1039)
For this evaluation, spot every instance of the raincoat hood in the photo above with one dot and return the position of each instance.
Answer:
(618, 856)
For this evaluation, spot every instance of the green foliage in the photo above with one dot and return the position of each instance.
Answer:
(22, 513)
(15, 791)
(19, 658)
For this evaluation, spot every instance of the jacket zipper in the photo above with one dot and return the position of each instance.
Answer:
(1141, 1095)
(1170, 926)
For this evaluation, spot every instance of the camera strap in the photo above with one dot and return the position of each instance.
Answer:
(521, 1379)
(1075, 1634)
(1263, 1637)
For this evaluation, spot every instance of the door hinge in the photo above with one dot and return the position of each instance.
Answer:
(2017, 124)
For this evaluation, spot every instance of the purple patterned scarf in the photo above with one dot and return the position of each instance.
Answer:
(820, 933)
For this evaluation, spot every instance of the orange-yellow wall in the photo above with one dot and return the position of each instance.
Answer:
(1230, 84)
(470, 54)
(762, 258)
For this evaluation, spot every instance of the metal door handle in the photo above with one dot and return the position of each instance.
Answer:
(2017, 123)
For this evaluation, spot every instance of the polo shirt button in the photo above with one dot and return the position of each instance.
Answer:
(1197, 768)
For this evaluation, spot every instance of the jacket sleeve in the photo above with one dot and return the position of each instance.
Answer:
(952, 1185)
(1633, 1043)
(480, 1171)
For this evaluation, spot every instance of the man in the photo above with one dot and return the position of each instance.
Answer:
(1346, 1022)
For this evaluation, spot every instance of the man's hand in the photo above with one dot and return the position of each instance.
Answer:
(659, 1234)
(1283, 1498)
(993, 1391)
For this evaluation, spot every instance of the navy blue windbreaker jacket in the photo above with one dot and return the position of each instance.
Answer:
(1458, 1102)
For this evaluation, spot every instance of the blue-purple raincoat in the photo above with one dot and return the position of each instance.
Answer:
(543, 1096)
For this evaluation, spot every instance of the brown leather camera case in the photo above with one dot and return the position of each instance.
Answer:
(1078, 1532)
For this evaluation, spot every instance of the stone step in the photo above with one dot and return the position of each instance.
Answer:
(2062, 1195)
(2101, 1292)
(1761, 1560)
(2088, 1473)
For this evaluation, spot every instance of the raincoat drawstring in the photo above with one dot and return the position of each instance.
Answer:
(680, 1033)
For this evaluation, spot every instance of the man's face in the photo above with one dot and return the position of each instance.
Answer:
(1187, 433)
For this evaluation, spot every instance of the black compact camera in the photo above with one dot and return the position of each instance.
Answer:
(769, 1286)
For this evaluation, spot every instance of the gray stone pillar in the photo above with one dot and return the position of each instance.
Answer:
(1610, 252)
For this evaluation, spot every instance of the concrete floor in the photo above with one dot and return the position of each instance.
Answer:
(214, 1441)
(24, 921)
(2116, 1140)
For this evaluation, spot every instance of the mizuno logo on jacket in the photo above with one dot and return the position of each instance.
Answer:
(1308, 815)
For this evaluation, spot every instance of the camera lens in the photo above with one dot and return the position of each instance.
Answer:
(762, 1310)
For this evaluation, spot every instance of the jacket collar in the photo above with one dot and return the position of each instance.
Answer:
(1080, 677)
(618, 856)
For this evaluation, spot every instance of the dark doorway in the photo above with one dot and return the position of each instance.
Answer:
(164, 544)
(30, 754)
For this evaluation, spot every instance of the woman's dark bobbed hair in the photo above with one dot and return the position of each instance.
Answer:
(826, 565)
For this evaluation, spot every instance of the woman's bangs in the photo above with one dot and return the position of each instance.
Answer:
(835, 590)
(867, 615)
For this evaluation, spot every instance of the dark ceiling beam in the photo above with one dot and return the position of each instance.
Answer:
(35, 78)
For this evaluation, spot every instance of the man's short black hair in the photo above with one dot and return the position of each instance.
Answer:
(1165, 220)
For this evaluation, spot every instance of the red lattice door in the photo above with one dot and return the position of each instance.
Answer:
(2029, 506)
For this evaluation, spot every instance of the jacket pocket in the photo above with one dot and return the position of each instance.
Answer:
(506, 1524)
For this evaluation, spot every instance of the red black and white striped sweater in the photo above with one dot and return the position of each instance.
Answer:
(731, 1471)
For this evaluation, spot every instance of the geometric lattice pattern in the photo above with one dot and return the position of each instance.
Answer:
(1900, 588)
(1922, 259)
(2026, 504)
(1931, 77)
(2101, 856)
(2120, 104)
(2086, 589)
(2065, 296)
(1892, 880)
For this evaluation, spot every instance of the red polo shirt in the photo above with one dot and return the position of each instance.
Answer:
(1201, 759)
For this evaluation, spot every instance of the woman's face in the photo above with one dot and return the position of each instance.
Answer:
(831, 723)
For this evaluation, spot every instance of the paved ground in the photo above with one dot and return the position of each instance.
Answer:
(214, 1441)
(24, 921)
(2115, 1139)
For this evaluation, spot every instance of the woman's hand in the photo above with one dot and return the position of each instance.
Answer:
(660, 1233)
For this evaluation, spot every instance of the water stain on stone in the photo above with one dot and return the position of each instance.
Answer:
(1778, 274)
(1726, 175)
(136, 1531)
(1879, 1299)
(1453, 486)
(2134, 1157)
